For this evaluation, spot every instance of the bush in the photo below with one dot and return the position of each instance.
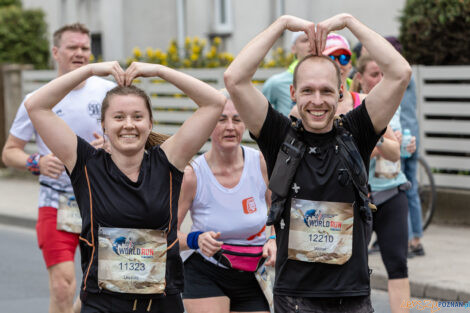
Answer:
(436, 32)
(5, 3)
(194, 56)
(23, 36)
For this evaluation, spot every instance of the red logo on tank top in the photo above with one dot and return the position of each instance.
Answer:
(249, 205)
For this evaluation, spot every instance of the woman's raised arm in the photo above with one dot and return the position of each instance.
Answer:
(57, 135)
(195, 131)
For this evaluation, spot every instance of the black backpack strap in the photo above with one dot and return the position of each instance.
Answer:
(355, 166)
(288, 159)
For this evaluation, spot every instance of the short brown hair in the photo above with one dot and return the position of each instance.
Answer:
(154, 138)
(318, 57)
(76, 27)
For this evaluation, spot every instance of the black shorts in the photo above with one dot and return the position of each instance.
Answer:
(110, 303)
(202, 279)
(288, 304)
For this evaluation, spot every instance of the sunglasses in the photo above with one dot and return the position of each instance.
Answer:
(343, 59)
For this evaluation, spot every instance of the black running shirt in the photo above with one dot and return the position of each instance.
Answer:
(317, 179)
(119, 202)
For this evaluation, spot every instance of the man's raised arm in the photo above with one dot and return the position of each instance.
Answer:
(249, 101)
(383, 100)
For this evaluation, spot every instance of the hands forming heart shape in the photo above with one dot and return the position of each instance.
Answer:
(317, 33)
(125, 78)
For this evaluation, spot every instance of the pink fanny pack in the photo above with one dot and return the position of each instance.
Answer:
(240, 257)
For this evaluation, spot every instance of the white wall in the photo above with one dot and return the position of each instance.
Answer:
(152, 23)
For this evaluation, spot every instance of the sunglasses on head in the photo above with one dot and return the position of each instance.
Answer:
(343, 59)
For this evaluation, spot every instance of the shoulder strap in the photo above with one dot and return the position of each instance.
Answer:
(353, 162)
(288, 160)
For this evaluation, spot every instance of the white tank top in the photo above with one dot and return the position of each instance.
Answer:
(238, 213)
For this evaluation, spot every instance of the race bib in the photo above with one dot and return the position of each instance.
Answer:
(68, 214)
(132, 260)
(265, 276)
(320, 231)
(386, 169)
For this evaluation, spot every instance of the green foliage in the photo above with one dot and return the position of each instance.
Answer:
(23, 37)
(436, 32)
(5, 3)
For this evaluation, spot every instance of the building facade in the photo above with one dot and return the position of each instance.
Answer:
(118, 26)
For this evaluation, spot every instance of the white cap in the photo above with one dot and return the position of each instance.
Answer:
(294, 37)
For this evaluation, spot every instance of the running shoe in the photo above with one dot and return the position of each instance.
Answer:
(417, 250)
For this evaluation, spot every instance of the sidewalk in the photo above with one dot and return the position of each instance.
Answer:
(443, 274)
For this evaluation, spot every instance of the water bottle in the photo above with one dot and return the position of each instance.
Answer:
(405, 141)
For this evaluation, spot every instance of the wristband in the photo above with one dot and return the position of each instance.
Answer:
(192, 238)
(380, 142)
(32, 164)
(272, 237)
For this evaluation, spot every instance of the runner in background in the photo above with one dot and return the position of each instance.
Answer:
(388, 192)
(225, 190)
(80, 109)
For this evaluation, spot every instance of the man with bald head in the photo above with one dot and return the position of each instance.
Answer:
(322, 233)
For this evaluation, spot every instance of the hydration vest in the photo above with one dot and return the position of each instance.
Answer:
(291, 153)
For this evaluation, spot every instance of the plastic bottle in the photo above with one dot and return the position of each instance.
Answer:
(405, 141)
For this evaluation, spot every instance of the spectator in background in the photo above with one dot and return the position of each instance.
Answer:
(409, 120)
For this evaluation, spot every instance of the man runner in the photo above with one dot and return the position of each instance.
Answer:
(323, 233)
(81, 110)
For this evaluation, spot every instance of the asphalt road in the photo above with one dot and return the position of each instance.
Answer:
(24, 279)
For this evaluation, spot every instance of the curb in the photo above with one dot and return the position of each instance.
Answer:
(18, 221)
(421, 290)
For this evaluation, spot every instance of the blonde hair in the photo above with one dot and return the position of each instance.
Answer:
(361, 67)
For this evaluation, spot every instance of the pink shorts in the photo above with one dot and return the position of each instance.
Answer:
(57, 246)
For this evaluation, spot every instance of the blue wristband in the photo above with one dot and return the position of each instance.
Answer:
(192, 238)
(272, 237)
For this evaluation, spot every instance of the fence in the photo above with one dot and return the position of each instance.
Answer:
(443, 94)
(444, 118)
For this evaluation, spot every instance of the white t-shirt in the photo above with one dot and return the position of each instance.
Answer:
(238, 213)
(81, 110)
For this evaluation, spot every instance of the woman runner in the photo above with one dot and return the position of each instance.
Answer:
(225, 191)
(128, 199)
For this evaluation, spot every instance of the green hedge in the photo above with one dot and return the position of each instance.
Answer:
(23, 36)
(436, 32)
(4, 3)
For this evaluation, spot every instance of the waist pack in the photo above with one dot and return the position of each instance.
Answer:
(240, 257)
